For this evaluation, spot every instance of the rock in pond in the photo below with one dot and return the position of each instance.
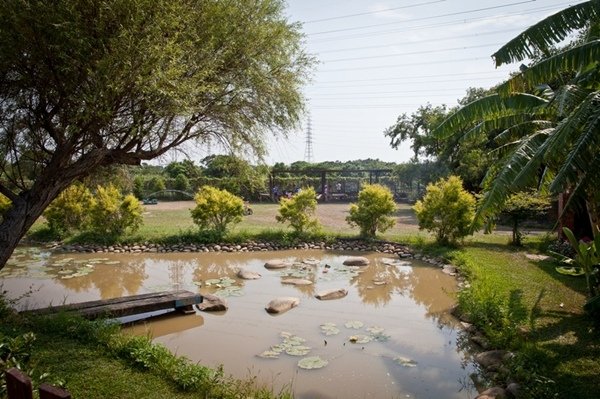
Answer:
(492, 393)
(332, 294)
(282, 304)
(492, 360)
(296, 281)
(248, 274)
(212, 303)
(356, 261)
(276, 264)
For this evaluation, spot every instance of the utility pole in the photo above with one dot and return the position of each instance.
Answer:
(308, 150)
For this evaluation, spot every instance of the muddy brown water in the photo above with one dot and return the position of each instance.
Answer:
(397, 311)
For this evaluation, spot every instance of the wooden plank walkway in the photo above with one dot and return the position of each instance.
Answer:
(129, 305)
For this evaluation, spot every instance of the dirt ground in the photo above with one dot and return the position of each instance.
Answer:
(331, 215)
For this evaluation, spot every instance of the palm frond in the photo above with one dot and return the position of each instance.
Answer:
(568, 97)
(586, 147)
(524, 161)
(519, 130)
(550, 68)
(547, 32)
(488, 108)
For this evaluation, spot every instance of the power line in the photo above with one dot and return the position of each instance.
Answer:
(441, 24)
(413, 77)
(413, 53)
(438, 39)
(422, 18)
(406, 64)
(372, 12)
(386, 84)
(451, 89)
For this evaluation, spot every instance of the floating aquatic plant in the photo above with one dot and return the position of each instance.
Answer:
(355, 324)
(269, 355)
(360, 339)
(405, 362)
(291, 344)
(312, 362)
(231, 290)
(298, 350)
(329, 329)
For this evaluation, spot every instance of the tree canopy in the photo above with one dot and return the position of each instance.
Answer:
(90, 83)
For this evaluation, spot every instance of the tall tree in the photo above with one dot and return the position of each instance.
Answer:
(551, 139)
(89, 83)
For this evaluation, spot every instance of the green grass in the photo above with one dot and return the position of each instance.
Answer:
(535, 311)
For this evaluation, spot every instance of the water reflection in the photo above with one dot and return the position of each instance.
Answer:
(407, 300)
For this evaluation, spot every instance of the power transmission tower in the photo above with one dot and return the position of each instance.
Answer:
(308, 150)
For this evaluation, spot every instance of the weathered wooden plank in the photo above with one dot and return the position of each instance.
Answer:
(129, 305)
(51, 392)
(18, 385)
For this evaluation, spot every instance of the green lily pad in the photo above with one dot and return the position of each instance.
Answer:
(220, 282)
(405, 362)
(298, 350)
(112, 262)
(232, 290)
(269, 355)
(354, 324)
(374, 330)
(360, 339)
(329, 329)
(312, 362)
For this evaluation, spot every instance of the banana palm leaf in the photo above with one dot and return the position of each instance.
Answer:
(547, 32)
(518, 171)
(488, 108)
(573, 59)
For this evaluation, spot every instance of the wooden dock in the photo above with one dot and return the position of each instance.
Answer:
(129, 305)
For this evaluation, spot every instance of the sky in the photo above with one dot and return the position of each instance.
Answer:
(380, 59)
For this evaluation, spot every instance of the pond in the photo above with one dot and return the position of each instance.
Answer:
(391, 336)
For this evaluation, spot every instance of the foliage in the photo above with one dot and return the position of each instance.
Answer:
(156, 183)
(92, 84)
(182, 182)
(239, 176)
(446, 209)
(112, 214)
(70, 211)
(5, 205)
(523, 206)
(138, 187)
(216, 209)
(373, 210)
(587, 256)
(299, 211)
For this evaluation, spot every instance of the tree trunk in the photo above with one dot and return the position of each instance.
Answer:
(25, 210)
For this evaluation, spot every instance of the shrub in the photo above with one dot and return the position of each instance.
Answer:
(113, 214)
(5, 205)
(373, 210)
(69, 212)
(299, 211)
(523, 206)
(446, 209)
(216, 209)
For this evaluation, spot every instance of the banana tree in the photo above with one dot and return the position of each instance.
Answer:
(550, 140)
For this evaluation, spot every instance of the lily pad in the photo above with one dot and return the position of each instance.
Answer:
(298, 350)
(312, 362)
(269, 355)
(354, 324)
(405, 362)
(374, 330)
(360, 339)
(112, 262)
(232, 290)
(329, 329)
(220, 282)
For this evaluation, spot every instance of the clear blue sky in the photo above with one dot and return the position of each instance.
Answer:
(379, 59)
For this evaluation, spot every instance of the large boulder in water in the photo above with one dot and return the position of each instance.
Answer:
(296, 281)
(332, 294)
(356, 261)
(212, 303)
(246, 274)
(276, 264)
(282, 304)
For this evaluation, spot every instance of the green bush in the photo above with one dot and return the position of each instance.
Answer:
(523, 206)
(216, 209)
(113, 214)
(69, 212)
(5, 205)
(447, 210)
(373, 210)
(299, 211)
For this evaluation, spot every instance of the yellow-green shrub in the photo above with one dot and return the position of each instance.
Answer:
(216, 209)
(69, 212)
(5, 205)
(446, 209)
(112, 214)
(299, 211)
(373, 210)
